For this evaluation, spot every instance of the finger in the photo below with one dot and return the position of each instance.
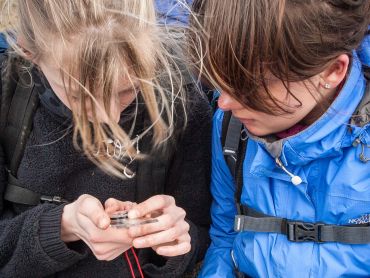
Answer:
(163, 237)
(108, 252)
(113, 205)
(112, 254)
(164, 222)
(175, 250)
(182, 247)
(157, 202)
(103, 242)
(102, 251)
(153, 214)
(110, 236)
(117, 253)
(91, 208)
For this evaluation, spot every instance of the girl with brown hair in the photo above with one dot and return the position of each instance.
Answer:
(297, 200)
(108, 119)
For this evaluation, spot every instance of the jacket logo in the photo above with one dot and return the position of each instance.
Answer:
(364, 219)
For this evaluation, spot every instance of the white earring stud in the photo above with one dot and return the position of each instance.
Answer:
(327, 86)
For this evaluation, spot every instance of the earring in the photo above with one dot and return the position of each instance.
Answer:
(327, 86)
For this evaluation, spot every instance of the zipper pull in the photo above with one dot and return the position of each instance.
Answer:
(296, 180)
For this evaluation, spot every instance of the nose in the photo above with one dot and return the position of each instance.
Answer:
(227, 103)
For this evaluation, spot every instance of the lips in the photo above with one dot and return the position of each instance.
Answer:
(245, 121)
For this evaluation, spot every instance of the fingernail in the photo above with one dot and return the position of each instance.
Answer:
(138, 242)
(103, 222)
(133, 214)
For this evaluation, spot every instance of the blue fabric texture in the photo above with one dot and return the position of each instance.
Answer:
(335, 190)
(3, 43)
(173, 11)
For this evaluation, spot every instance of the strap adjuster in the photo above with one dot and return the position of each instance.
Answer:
(52, 199)
(304, 231)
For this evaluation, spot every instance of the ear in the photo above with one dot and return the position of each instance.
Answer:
(27, 53)
(335, 73)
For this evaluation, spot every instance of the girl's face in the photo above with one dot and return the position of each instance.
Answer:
(262, 124)
(124, 93)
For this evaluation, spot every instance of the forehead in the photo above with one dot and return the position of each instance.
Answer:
(58, 73)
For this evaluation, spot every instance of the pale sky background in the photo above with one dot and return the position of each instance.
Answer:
(4, 17)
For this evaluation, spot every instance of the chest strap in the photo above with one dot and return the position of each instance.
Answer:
(297, 231)
(20, 195)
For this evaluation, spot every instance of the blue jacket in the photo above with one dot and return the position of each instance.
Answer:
(173, 11)
(335, 190)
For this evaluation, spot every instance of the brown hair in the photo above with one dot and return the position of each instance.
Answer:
(293, 40)
(95, 43)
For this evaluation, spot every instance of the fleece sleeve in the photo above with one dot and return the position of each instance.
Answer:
(30, 243)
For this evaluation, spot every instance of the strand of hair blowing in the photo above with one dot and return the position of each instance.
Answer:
(97, 44)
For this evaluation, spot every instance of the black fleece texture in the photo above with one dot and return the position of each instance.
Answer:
(30, 244)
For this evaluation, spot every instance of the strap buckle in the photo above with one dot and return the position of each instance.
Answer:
(52, 199)
(304, 231)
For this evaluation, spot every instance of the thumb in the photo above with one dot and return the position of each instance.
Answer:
(94, 210)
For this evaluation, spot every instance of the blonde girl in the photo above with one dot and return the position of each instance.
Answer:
(111, 106)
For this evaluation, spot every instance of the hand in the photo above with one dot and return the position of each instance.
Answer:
(113, 205)
(87, 220)
(170, 235)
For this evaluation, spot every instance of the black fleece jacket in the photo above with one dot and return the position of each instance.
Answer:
(30, 244)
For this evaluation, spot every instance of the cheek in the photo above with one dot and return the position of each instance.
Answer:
(126, 100)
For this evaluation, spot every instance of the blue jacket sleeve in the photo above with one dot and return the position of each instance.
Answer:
(218, 262)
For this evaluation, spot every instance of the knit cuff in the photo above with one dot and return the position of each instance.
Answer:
(176, 266)
(50, 237)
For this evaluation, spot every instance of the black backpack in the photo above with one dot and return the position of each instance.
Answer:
(19, 101)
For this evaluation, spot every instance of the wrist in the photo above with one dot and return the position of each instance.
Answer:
(66, 233)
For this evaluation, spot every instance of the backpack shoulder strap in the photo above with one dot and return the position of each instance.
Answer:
(19, 100)
(230, 139)
(234, 147)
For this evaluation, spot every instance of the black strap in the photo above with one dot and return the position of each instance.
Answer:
(234, 149)
(231, 141)
(20, 195)
(298, 231)
(239, 174)
(18, 105)
(19, 101)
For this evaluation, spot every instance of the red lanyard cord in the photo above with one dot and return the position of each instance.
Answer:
(130, 265)
(137, 263)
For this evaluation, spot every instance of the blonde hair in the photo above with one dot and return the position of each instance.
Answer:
(95, 43)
